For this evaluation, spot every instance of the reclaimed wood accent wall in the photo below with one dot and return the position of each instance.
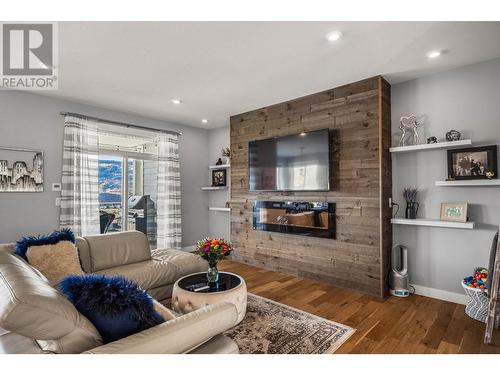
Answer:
(358, 117)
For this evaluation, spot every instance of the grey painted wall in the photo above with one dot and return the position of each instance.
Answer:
(219, 222)
(466, 99)
(33, 121)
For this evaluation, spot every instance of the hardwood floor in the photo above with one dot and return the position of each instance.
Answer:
(393, 325)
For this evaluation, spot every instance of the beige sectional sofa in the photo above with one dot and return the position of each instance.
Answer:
(129, 254)
(36, 318)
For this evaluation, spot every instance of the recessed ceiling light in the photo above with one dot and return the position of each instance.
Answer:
(303, 134)
(204, 120)
(176, 101)
(433, 54)
(333, 36)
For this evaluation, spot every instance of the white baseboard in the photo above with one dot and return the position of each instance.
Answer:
(189, 248)
(441, 294)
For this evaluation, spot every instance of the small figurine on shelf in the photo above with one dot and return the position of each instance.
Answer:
(226, 153)
(408, 123)
(431, 140)
(490, 175)
(219, 162)
(453, 135)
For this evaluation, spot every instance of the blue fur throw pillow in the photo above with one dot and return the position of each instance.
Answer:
(116, 306)
(49, 239)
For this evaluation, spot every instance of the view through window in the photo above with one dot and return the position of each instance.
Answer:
(110, 191)
(127, 185)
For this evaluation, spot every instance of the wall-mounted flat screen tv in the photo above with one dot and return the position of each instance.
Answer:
(298, 162)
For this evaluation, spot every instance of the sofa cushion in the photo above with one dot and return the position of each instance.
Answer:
(183, 262)
(55, 261)
(109, 250)
(84, 254)
(54, 254)
(166, 267)
(150, 274)
(12, 343)
(53, 238)
(116, 306)
(30, 307)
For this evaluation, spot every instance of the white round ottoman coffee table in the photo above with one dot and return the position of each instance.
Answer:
(193, 292)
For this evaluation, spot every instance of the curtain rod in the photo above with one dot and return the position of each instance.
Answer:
(124, 124)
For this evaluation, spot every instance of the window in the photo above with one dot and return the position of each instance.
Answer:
(110, 192)
(127, 184)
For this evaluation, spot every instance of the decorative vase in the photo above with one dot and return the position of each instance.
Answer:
(212, 273)
(411, 210)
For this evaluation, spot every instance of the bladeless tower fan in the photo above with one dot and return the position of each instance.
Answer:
(398, 277)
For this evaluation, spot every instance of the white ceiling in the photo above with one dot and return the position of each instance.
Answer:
(221, 69)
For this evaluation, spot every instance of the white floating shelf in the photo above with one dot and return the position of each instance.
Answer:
(226, 209)
(214, 188)
(431, 146)
(222, 166)
(494, 182)
(434, 223)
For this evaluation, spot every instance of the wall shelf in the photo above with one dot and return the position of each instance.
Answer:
(214, 188)
(222, 166)
(494, 182)
(225, 209)
(434, 223)
(431, 146)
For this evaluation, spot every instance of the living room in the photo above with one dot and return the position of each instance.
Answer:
(266, 187)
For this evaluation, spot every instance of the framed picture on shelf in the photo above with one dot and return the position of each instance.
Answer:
(219, 177)
(454, 212)
(473, 163)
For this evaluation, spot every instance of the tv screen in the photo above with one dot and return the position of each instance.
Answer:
(298, 162)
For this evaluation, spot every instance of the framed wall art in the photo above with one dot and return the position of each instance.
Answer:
(21, 170)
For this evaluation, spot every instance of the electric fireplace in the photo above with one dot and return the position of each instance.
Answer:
(315, 219)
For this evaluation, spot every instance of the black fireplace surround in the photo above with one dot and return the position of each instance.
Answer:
(315, 219)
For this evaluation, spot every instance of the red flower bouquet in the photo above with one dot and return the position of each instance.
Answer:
(213, 250)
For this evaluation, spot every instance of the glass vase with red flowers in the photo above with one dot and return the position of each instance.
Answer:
(213, 250)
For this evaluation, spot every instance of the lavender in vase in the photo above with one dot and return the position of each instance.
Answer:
(410, 195)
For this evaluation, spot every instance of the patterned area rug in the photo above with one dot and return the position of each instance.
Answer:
(273, 328)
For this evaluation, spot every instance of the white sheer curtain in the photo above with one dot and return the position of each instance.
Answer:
(169, 231)
(80, 177)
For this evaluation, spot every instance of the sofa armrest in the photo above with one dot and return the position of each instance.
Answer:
(176, 336)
